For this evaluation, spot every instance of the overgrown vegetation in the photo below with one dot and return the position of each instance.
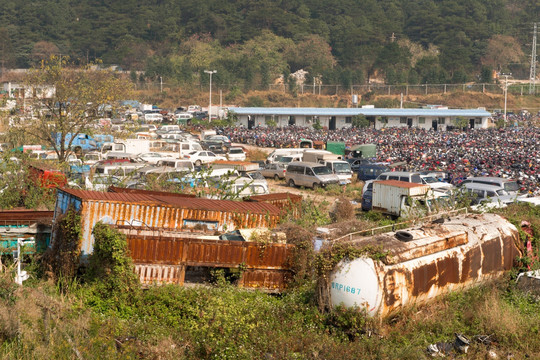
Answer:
(103, 314)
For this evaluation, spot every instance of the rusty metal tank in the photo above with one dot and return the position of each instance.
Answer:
(425, 262)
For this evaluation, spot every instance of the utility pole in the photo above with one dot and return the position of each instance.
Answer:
(532, 76)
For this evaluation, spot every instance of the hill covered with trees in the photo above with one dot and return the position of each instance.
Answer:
(250, 43)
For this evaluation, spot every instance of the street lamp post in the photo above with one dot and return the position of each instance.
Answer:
(505, 93)
(210, 72)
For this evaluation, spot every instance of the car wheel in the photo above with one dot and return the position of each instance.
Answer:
(291, 182)
(198, 163)
(276, 177)
(316, 186)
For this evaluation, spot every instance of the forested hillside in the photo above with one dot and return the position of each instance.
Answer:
(251, 42)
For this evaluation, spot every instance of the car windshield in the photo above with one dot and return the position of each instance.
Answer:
(429, 179)
(286, 159)
(511, 186)
(235, 151)
(321, 170)
(256, 175)
(342, 168)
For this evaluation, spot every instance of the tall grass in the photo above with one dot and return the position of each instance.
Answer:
(224, 322)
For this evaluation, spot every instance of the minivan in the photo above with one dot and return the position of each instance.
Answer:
(509, 185)
(121, 170)
(311, 175)
(371, 171)
(493, 195)
(407, 176)
(278, 153)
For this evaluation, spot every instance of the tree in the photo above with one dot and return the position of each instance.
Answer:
(67, 101)
(461, 122)
(43, 50)
(360, 121)
(501, 51)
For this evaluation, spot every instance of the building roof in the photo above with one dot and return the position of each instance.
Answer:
(177, 201)
(402, 184)
(359, 111)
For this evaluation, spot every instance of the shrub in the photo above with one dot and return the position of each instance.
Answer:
(110, 262)
(61, 260)
(343, 210)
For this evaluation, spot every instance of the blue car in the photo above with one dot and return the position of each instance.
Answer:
(367, 199)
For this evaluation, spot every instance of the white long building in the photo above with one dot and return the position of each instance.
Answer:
(337, 118)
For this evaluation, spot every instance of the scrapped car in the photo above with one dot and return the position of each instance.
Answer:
(203, 157)
(274, 171)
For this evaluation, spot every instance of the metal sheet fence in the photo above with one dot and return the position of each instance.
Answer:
(162, 259)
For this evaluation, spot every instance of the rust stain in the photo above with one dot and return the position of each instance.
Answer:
(424, 278)
(491, 251)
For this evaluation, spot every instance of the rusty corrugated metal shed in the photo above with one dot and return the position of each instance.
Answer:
(177, 201)
(116, 189)
(165, 212)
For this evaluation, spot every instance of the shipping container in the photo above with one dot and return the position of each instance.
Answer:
(424, 262)
(393, 197)
(162, 211)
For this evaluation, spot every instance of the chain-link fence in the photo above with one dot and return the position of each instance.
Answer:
(375, 89)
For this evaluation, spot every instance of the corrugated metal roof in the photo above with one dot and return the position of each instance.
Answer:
(402, 184)
(108, 196)
(177, 201)
(220, 205)
(359, 111)
(276, 196)
(115, 189)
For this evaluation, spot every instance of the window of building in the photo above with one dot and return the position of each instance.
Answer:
(403, 120)
(383, 119)
(478, 121)
(441, 121)
(309, 119)
(421, 120)
(348, 120)
(267, 118)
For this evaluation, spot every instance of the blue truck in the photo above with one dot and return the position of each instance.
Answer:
(81, 142)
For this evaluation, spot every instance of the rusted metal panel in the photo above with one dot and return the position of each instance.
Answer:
(286, 202)
(266, 266)
(265, 279)
(463, 251)
(28, 216)
(160, 274)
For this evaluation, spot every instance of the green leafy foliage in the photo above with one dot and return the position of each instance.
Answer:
(110, 268)
(251, 43)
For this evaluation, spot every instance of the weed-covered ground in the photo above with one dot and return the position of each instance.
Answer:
(38, 321)
(102, 312)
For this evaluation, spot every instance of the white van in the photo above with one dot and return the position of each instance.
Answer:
(121, 170)
(311, 175)
(183, 117)
(185, 147)
(168, 128)
(276, 155)
(153, 117)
